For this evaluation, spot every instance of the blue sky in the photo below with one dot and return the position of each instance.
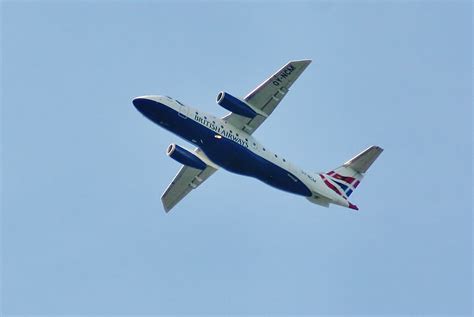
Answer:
(83, 230)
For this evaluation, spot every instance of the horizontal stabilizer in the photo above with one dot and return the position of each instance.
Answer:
(361, 162)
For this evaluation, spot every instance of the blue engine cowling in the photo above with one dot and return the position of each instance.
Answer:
(235, 105)
(185, 157)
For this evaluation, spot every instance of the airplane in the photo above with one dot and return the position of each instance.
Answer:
(228, 143)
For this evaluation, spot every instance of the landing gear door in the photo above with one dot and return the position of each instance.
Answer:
(183, 111)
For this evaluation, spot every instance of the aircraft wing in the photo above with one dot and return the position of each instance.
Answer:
(187, 179)
(268, 95)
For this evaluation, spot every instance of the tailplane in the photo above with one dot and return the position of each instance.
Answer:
(348, 176)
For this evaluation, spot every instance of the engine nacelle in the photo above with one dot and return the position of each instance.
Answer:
(235, 105)
(185, 157)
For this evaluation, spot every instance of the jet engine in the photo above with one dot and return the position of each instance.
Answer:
(236, 105)
(185, 157)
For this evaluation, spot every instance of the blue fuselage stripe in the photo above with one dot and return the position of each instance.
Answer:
(226, 153)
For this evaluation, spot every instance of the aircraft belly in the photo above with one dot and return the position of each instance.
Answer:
(240, 160)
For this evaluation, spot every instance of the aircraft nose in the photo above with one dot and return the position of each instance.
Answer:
(145, 105)
(150, 108)
(140, 103)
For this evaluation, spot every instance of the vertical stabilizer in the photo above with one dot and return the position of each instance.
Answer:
(345, 179)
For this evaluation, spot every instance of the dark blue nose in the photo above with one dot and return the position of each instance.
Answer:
(146, 106)
(141, 104)
(149, 108)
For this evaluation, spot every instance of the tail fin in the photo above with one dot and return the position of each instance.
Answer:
(348, 176)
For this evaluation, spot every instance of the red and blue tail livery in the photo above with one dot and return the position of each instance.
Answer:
(344, 180)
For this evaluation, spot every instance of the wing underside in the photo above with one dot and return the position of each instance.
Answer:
(268, 95)
(187, 179)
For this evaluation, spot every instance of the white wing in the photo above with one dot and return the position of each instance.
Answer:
(187, 179)
(268, 95)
